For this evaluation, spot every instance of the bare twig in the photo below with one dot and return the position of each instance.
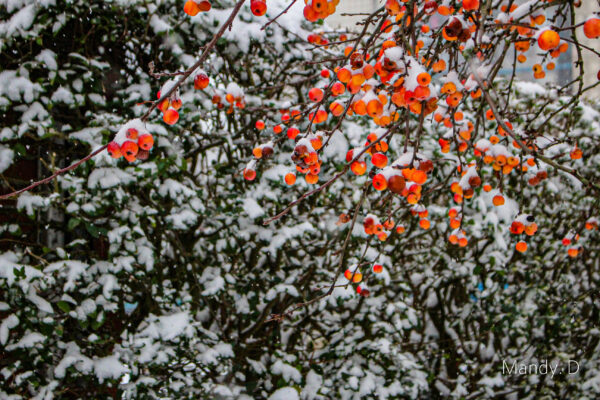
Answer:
(278, 15)
(282, 316)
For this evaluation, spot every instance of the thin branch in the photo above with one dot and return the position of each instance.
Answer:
(54, 175)
(282, 316)
(278, 15)
(523, 146)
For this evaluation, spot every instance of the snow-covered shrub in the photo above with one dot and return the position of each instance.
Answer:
(158, 279)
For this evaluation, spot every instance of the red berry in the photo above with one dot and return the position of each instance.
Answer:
(258, 7)
(201, 81)
(132, 133)
(129, 150)
(146, 141)
(114, 150)
(171, 116)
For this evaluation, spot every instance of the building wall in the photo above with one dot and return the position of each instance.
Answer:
(352, 6)
(591, 61)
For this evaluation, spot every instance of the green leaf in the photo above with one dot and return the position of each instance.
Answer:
(97, 324)
(92, 230)
(73, 223)
(64, 306)
(19, 148)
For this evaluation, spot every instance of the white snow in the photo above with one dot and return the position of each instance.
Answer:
(285, 393)
(252, 208)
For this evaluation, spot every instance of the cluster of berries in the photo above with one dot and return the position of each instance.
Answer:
(524, 223)
(319, 9)
(233, 95)
(356, 277)
(307, 160)
(132, 141)
(193, 7)
(373, 226)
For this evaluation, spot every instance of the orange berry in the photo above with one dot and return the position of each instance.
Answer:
(319, 117)
(379, 182)
(548, 40)
(388, 224)
(171, 116)
(145, 141)
(419, 177)
(359, 167)
(521, 247)
(164, 105)
(379, 160)
(292, 132)
(448, 88)
(573, 252)
(424, 223)
(357, 277)
(258, 7)
(290, 178)
(337, 89)
(412, 198)
(530, 230)
(315, 95)
(498, 200)
(201, 81)
(470, 5)
(455, 223)
(249, 174)
(591, 28)
(191, 8)
(114, 150)
(516, 228)
(454, 99)
(132, 133)
(336, 109)
(439, 66)
(374, 108)
(423, 79)
(311, 178)
(129, 150)
(344, 75)
(260, 125)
